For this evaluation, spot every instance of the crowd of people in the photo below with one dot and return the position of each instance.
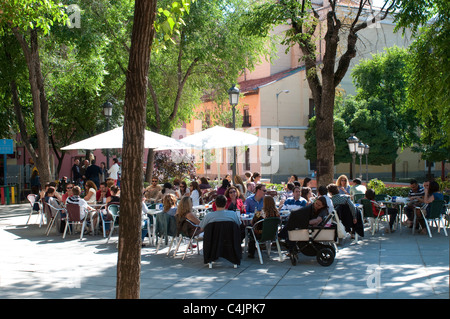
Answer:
(233, 197)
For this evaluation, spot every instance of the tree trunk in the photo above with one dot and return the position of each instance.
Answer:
(150, 163)
(40, 103)
(129, 256)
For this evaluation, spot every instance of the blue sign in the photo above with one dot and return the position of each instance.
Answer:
(6, 146)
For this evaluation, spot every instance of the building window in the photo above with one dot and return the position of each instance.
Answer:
(291, 142)
(247, 119)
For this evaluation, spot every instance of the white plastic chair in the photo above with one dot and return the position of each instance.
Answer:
(59, 210)
(191, 239)
(32, 199)
(74, 218)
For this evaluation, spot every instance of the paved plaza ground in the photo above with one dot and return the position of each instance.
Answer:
(384, 266)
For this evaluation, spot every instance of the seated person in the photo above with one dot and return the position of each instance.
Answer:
(68, 192)
(204, 184)
(341, 199)
(294, 202)
(221, 214)
(76, 199)
(392, 212)
(102, 193)
(322, 190)
(170, 204)
(153, 192)
(91, 192)
(114, 198)
(307, 194)
(348, 217)
(289, 191)
(184, 213)
(50, 198)
(234, 202)
(314, 214)
(195, 193)
(431, 194)
(145, 221)
(222, 189)
(254, 202)
(415, 195)
(269, 210)
(357, 188)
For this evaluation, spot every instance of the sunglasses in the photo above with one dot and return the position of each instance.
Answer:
(69, 187)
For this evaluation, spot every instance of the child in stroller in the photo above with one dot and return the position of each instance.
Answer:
(310, 232)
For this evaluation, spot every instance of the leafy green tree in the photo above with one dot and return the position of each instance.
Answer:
(429, 82)
(27, 20)
(324, 73)
(340, 134)
(383, 82)
(204, 57)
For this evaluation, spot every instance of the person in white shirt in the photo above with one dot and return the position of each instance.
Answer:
(357, 188)
(76, 199)
(195, 193)
(114, 170)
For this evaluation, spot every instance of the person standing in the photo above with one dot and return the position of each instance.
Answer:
(114, 170)
(76, 174)
(104, 173)
(93, 173)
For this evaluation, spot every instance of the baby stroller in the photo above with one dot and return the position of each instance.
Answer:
(316, 241)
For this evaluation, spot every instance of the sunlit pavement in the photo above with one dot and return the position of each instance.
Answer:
(384, 266)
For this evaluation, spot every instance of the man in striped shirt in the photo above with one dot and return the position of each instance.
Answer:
(415, 193)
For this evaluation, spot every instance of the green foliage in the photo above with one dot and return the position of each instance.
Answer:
(341, 133)
(205, 56)
(429, 81)
(169, 21)
(30, 14)
(379, 187)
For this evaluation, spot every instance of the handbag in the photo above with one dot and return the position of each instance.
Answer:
(340, 227)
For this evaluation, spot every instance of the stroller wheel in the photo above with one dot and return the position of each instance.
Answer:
(294, 258)
(325, 257)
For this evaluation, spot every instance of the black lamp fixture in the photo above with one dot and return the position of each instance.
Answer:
(233, 94)
(107, 109)
(352, 142)
(107, 112)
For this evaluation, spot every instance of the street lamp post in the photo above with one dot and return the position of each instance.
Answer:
(366, 152)
(282, 91)
(352, 142)
(360, 151)
(233, 94)
(107, 111)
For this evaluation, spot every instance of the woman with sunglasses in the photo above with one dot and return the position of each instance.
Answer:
(234, 202)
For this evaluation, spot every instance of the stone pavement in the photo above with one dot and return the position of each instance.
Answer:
(384, 266)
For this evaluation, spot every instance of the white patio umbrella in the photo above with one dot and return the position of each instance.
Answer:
(114, 139)
(222, 137)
